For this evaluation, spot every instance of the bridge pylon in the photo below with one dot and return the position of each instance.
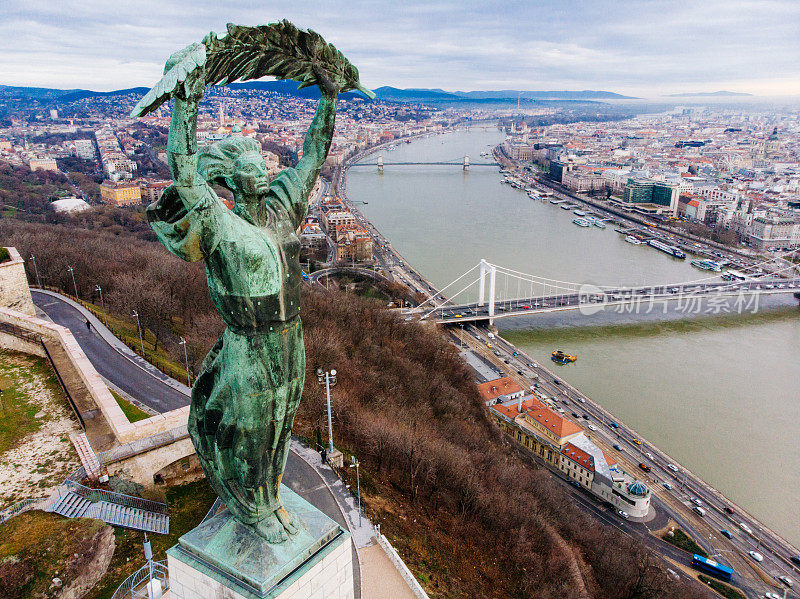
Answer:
(491, 270)
(380, 163)
(466, 162)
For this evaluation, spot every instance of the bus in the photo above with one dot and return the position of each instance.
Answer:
(711, 567)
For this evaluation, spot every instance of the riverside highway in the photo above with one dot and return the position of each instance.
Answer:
(754, 578)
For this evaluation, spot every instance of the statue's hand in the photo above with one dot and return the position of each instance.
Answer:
(328, 85)
(190, 62)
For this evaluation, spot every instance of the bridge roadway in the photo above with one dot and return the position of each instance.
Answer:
(594, 298)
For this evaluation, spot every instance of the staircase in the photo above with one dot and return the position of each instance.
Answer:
(131, 517)
(70, 505)
(86, 454)
(74, 500)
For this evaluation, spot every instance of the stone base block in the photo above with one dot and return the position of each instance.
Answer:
(224, 559)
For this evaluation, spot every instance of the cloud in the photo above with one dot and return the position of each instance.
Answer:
(644, 47)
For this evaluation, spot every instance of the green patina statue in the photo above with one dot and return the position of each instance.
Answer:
(244, 401)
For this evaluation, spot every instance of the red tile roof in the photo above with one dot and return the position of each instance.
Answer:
(497, 387)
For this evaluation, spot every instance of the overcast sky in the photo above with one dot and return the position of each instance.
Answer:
(639, 47)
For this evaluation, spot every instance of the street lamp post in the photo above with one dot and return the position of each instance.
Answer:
(186, 357)
(102, 303)
(329, 378)
(36, 270)
(139, 326)
(74, 285)
(358, 484)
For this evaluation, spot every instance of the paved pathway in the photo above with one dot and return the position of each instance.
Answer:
(381, 578)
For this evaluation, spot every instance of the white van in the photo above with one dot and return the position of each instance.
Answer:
(700, 511)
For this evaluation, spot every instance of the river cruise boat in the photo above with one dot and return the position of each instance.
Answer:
(667, 249)
(734, 275)
(706, 265)
(581, 222)
(569, 206)
(634, 240)
(561, 357)
(556, 201)
(599, 223)
(579, 213)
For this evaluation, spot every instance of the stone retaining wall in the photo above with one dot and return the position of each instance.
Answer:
(14, 290)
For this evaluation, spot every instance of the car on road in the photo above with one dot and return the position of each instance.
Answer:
(649, 455)
(592, 427)
(575, 415)
(489, 345)
(726, 534)
(696, 501)
(795, 559)
(556, 382)
(613, 425)
(644, 467)
(585, 416)
(637, 441)
(668, 486)
(515, 353)
(623, 514)
(769, 595)
(582, 400)
(745, 528)
(506, 361)
(672, 467)
(729, 510)
(617, 446)
(519, 372)
(786, 580)
(756, 556)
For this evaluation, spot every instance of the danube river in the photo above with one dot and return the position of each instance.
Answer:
(720, 393)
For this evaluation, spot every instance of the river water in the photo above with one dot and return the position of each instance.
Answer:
(719, 392)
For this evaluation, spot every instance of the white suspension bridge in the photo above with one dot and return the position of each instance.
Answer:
(504, 292)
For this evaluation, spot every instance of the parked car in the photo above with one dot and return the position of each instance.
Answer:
(623, 514)
(617, 446)
(756, 556)
(726, 534)
(787, 581)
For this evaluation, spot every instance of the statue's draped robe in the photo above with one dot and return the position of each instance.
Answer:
(244, 400)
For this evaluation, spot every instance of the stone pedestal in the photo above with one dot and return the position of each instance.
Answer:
(224, 559)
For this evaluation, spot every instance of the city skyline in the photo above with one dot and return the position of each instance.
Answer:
(645, 49)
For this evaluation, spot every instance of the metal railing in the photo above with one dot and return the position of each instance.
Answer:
(213, 511)
(95, 495)
(135, 586)
(19, 507)
(116, 454)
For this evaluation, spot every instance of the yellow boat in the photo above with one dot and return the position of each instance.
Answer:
(562, 358)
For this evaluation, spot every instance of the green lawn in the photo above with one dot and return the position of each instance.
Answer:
(683, 541)
(17, 410)
(132, 413)
(723, 589)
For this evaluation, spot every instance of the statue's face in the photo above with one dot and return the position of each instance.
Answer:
(250, 175)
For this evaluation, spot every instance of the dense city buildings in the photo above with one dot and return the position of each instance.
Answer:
(734, 170)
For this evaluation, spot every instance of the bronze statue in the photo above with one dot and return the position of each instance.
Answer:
(245, 399)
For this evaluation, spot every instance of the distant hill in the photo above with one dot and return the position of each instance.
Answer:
(707, 94)
(383, 93)
(512, 94)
